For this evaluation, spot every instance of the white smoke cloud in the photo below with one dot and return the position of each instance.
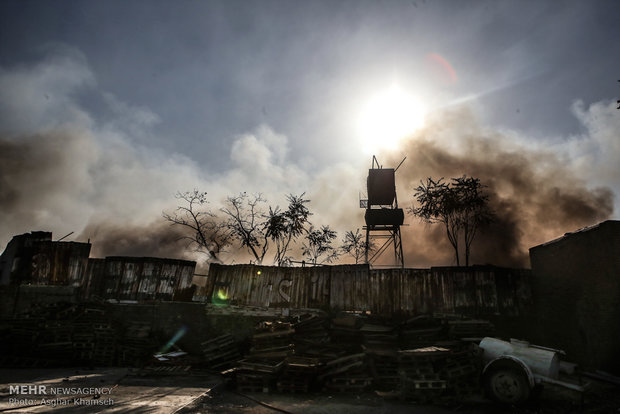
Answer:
(595, 154)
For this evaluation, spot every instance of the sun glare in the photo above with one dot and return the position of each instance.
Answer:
(388, 117)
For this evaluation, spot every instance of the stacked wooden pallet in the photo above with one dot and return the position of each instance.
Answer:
(298, 374)
(420, 373)
(94, 336)
(462, 372)
(273, 340)
(83, 343)
(311, 329)
(24, 335)
(471, 328)
(257, 375)
(383, 363)
(420, 332)
(135, 344)
(167, 370)
(347, 374)
(345, 331)
(221, 352)
(439, 373)
(297, 358)
(379, 336)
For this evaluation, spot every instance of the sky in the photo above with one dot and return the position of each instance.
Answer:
(107, 109)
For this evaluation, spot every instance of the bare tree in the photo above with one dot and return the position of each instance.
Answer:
(284, 227)
(460, 206)
(318, 248)
(246, 222)
(354, 244)
(207, 234)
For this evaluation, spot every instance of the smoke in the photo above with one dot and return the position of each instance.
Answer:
(536, 194)
(66, 168)
(159, 239)
(62, 169)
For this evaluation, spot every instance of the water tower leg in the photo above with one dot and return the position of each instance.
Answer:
(367, 245)
(398, 247)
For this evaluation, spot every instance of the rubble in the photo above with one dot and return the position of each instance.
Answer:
(63, 334)
(221, 352)
(357, 354)
(298, 375)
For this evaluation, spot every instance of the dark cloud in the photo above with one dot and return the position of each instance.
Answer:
(534, 194)
(157, 239)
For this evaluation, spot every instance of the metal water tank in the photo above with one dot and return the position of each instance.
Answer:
(381, 186)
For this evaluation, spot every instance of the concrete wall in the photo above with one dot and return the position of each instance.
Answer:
(576, 292)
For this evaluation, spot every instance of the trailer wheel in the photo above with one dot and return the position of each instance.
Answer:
(506, 383)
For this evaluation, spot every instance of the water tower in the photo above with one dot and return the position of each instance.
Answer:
(383, 217)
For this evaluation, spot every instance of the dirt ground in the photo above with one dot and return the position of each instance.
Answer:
(134, 391)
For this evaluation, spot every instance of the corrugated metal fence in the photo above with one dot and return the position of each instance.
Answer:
(139, 278)
(477, 290)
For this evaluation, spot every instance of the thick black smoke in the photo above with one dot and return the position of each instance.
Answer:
(535, 195)
(158, 239)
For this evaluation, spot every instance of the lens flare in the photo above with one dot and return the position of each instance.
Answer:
(182, 331)
(220, 298)
(445, 67)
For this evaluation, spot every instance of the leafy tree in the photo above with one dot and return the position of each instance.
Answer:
(254, 229)
(244, 222)
(284, 227)
(474, 212)
(318, 247)
(207, 234)
(460, 205)
(354, 244)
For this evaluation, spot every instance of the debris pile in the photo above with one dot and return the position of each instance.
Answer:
(433, 373)
(169, 363)
(272, 340)
(221, 352)
(298, 375)
(310, 331)
(135, 344)
(471, 328)
(63, 334)
(258, 375)
(417, 360)
(383, 364)
(347, 374)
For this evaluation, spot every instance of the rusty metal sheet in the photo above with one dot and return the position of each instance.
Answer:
(349, 287)
(143, 278)
(416, 291)
(58, 263)
(469, 291)
(271, 286)
(93, 283)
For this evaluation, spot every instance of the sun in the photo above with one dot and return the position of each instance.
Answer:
(387, 117)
